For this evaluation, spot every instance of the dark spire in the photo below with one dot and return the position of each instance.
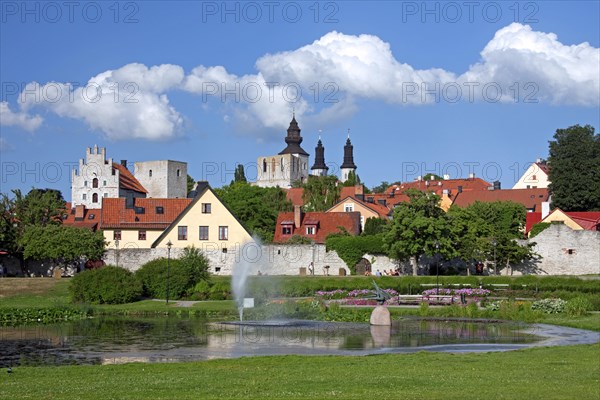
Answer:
(348, 155)
(293, 139)
(320, 157)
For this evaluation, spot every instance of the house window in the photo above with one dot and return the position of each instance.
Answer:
(534, 178)
(117, 234)
(286, 230)
(203, 233)
(223, 233)
(182, 233)
(95, 198)
(264, 165)
(91, 216)
(150, 173)
(160, 210)
(178, 173)
(205, 208)
(349, 207)
(85, 183)
(224, 250)
(95, 182)
(103, 183)
(141, 235)
(105, 195)
(83, 196)
(310, 230)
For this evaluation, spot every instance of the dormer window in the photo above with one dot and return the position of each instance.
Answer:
(286, 230)
(91, 216)
(160, 210)
(310, 230)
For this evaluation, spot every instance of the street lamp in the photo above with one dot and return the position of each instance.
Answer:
(169, 244)
(495, 243)
(437, 268)
(117, 251)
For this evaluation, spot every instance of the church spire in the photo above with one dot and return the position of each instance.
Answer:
(319, 168)
(348, 154)
(293, 139)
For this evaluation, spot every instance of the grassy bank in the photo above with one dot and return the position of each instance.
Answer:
(542, 373)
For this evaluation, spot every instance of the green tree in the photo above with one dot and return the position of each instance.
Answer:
(435, 177)
(320, 193)
(353, 179)
(375, 226)
(476, 228)
(239, 175)
(61, 243)
(256, 207)
(381, 187)
(574, 173)
(190, 183)
(417, 227)
(196, 262)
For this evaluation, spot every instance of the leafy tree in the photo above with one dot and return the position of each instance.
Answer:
(374, 226)
(196, 262)
(417, 226)
(353, 179)
(240, 175)
(352, 248)
(381, 187)
(435, 177)
(476, 228)
(574, 173)
(40, 207)
(320, 193)
(190, 183)
(256, 207)
(61, 243)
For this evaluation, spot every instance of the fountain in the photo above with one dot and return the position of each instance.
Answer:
(249, 260)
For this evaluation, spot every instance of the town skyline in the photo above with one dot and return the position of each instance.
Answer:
(207, 102)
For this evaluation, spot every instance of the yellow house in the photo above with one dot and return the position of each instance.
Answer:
(367, 210)
(207, 224)
(202, 221)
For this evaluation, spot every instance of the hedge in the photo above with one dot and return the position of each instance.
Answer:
(106, 285)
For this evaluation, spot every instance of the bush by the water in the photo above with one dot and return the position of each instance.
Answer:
(106, 285)
(549, 306)
(183, 274)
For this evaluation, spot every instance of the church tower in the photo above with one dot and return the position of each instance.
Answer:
(290, 165)
(348, 164)
(319, 168)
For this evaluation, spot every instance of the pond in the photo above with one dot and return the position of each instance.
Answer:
(108, 340)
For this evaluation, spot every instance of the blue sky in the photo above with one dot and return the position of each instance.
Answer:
(160, 69)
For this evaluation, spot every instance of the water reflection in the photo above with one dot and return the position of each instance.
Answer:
(126, 339)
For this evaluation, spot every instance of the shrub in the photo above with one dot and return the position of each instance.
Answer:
(579, 306)
(202, 290)
(549, 306)
(194, 260)
(106, 285)
(154, 274)
(352, 248)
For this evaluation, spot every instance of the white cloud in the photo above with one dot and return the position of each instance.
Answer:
(332, 73)
(561, 74)
(125, 103)
(4, 145)
(20, 118)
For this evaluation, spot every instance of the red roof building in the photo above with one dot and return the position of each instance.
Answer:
(294, 195)
(532, 199)
(315, 226)
(145, 213)
(81, 217)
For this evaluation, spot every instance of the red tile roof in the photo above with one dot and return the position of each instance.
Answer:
(531, 198)
(89, 219)
(381, 210)
(127, 181)
(438, 186)
(543, 167)
(115, 215)
(295, 196)
(587, 220)
(347, 191)
(328, 223)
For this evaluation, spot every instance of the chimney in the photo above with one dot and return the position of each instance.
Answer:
(124, 163)
(446, 177)
(472, 175)
(497, 185)
(432, 177)
(545, 209)
(297, 216)
(79, 211)
(359, 192)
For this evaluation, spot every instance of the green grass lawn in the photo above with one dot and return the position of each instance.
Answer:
(570, 372)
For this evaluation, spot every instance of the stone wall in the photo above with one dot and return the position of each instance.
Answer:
(564, 252)
(268, 259)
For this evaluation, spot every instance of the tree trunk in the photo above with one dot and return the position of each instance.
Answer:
(415, 265)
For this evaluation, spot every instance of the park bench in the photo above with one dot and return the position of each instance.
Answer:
(439, 299)
(410, 299)
(499, 286)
